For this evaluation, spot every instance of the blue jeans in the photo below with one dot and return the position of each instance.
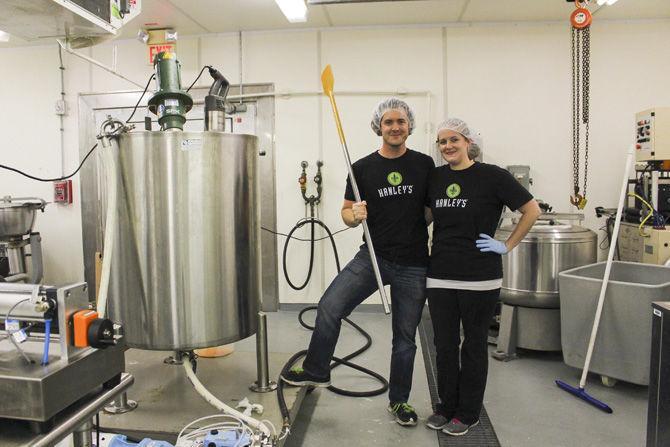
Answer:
(351, 287)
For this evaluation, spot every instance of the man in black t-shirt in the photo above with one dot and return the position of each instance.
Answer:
(393, 184)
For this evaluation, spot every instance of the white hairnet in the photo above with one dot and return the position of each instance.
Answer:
(457, 125)
(460, 126)
(385, 106)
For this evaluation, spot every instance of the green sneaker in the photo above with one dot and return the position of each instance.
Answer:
(404, 413)
(299, 377)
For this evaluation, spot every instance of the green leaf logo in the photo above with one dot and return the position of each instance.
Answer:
(453, 190)
(394, 178)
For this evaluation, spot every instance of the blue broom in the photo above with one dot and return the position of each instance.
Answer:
(580, 392)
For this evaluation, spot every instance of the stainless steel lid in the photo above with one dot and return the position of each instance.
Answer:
(548, 231)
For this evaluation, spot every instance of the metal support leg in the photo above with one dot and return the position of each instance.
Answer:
(176, 359)
(121, 405)
(36, 258)
(507, 337)
(263, 384)
(82, 436)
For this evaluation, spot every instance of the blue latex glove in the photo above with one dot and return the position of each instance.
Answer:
(487, 243)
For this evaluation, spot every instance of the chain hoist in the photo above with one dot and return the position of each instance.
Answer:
(580, 20)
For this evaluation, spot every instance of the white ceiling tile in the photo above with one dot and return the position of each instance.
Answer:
(190, 17)
(220, 16)
(517, 10)
(635, 9)
(395, 13)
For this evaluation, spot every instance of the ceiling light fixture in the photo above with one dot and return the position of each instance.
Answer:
(4, 37)
(606, 2)
(294, 10)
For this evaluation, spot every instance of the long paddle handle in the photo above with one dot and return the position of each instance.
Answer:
(327, 80)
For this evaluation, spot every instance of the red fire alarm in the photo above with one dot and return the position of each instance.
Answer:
(63, 192)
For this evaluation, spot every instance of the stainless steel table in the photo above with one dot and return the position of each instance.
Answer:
(17, 433)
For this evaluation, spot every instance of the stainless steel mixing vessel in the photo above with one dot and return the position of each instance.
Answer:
(17, 216)
(186, 259)
(531, 269)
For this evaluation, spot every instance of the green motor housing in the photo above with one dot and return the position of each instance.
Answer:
(170, 103)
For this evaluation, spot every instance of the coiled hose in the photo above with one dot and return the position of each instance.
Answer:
(336, 360)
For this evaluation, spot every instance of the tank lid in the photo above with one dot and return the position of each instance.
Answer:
(544, 230)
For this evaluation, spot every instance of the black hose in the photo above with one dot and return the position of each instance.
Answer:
(345, 360)
(336, 360)
(56, 179)
(311, 252)
(312, 221)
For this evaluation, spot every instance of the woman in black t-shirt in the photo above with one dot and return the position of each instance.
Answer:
(465, 271)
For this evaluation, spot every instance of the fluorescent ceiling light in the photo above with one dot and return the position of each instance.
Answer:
(294, 10)
(606, 2)
(4, 37)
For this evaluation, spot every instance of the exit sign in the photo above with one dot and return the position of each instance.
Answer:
(157, 48)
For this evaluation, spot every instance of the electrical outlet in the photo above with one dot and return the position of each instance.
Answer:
(61, 107)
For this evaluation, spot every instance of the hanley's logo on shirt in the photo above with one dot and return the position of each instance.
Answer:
(453, 190)
(394, 178)
(396, 189)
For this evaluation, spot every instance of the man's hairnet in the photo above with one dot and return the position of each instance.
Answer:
(385, 106)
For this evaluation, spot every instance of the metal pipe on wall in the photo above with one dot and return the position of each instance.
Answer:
(90, 60)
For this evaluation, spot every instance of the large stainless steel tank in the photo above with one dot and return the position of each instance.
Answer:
(530, 271)
(186, 262)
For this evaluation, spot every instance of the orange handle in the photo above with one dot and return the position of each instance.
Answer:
(81, 321)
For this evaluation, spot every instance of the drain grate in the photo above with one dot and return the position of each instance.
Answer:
(483, 435)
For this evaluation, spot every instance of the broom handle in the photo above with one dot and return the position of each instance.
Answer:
(608, 267)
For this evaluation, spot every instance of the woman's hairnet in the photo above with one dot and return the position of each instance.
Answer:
(385, 106)
(460, 126)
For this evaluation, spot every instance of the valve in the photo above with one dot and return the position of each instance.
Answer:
(100, 333)
(89, 330)
(312, 200)
(302, 180)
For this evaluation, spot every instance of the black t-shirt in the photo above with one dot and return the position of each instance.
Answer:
(466, 203)
(395, 191)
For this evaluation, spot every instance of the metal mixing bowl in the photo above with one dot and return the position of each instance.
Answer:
(17, 216)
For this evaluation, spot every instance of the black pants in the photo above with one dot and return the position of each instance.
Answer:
(461, 369)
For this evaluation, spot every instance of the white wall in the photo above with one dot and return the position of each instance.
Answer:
(510, 81)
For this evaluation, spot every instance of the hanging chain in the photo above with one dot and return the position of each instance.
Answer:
(575, 112)
(581, 51)
(586, 71)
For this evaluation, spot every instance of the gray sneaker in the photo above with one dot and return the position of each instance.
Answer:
(457, 428)
(436, 421)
